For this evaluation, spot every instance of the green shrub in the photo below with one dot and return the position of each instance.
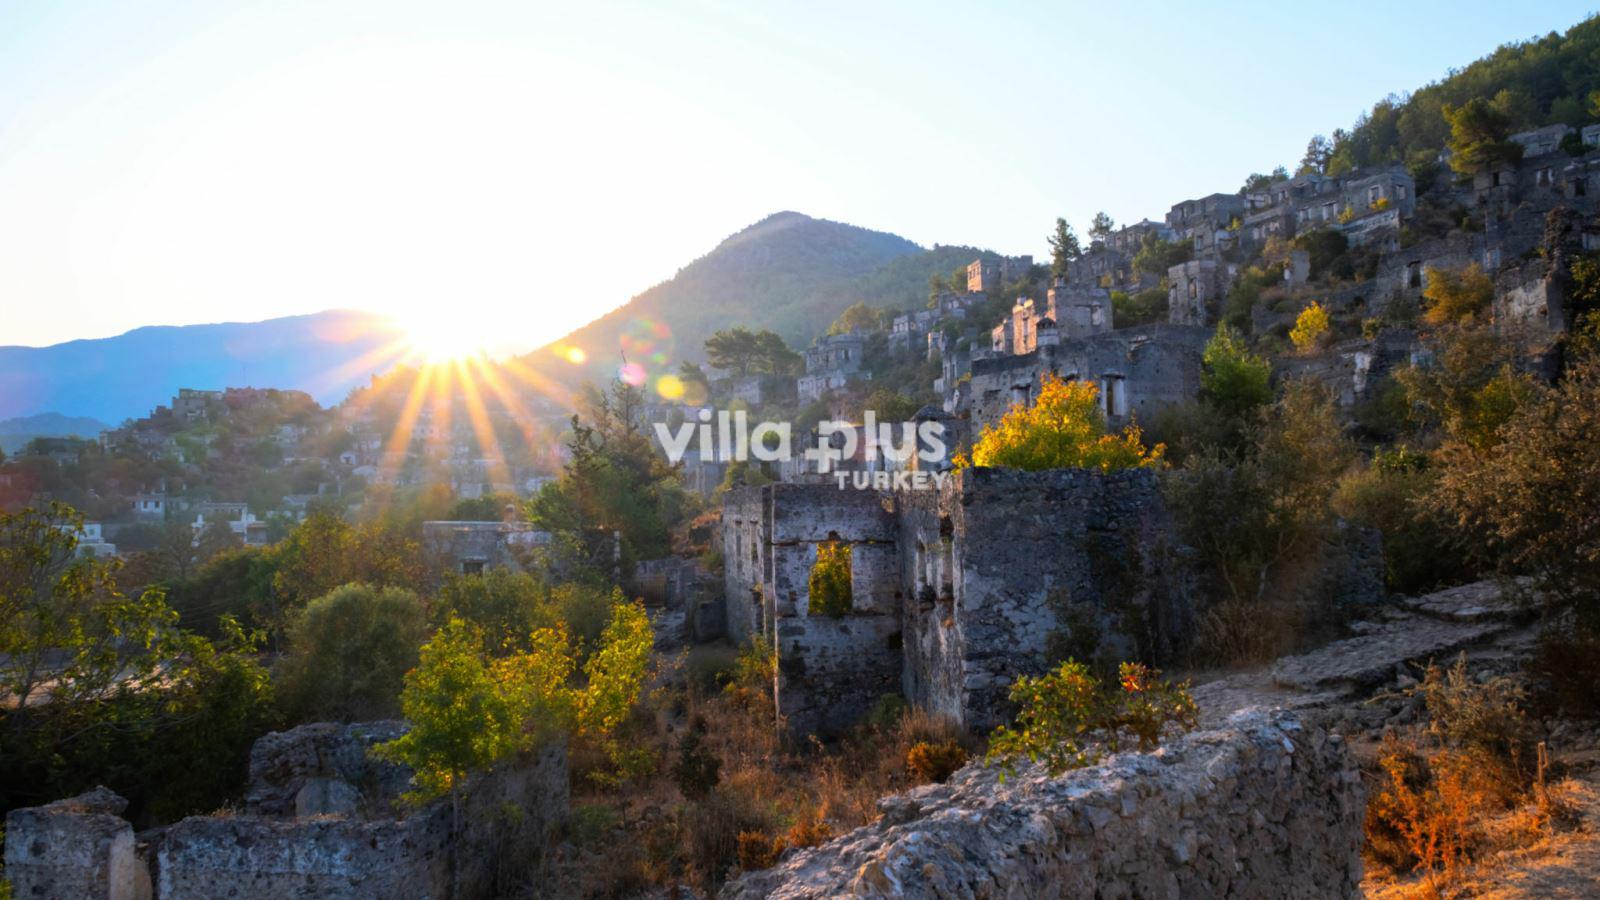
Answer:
(590, 823)
(348, 653)
(1419, 552)
(1142, 308)
(1232, 379)
(1065, 716)
(696, 770)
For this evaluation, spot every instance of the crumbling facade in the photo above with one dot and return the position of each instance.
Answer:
(985, 275)
(830, 364)
(1195, 290)
(1138, 371)
(471, 548)
(955, 591)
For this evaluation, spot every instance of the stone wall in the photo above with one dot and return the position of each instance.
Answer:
(956, 591)
(80, 848)
(323, 768)
(1041, 565)
(505, 815)
(1139, 371)
(743, 543)
(322, 823)
(1262, 807)
(829, 670)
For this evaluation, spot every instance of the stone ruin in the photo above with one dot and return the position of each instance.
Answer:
(322, 819)
(1262, 806)
(956, 591)
(959, 590)
(1139, 372)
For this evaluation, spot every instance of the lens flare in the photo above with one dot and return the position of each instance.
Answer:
(632, 374)
(670, 387)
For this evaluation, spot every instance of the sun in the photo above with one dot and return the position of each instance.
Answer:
(439, 336)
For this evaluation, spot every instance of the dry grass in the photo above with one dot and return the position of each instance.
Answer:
(1237, 632)
(1463, 795)
(768, 797)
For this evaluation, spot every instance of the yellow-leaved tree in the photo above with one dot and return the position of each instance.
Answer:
(469, 711)
(1457, 296)
(1310, 327)
(1064, 429)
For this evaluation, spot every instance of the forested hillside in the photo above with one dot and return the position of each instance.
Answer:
(1541, 81)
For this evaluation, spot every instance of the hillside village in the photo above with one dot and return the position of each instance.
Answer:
(1259, 561)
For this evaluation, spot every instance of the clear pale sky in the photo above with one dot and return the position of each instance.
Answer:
(528, 166)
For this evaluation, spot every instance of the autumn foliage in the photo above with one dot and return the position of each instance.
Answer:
(1064, 429)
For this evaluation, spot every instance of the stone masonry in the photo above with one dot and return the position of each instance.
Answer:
(1263, 806)
(1139, 371)
(956, 591)
(79, 848)
(322, 821)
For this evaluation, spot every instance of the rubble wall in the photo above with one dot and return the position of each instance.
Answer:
(252, 857)
(82, 848)
(1158, 365)
(1066, 562)
(75, 849)
(831, 671)
(1261, 807)
(504, 815)
(743, 540)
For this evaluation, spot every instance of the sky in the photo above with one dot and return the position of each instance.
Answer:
(508, 171)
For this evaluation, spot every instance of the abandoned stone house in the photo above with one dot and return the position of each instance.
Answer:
(1349, 370)
(1069, 311)
(1271, 222)
(1138, 370)
(752, 390)
(1204, 216)
(830, 363)
(1104, 267)
(1542, 141)
(910, 329)
(1128, 239)
(1531, 302)
(1195, 290)
(1366, 206)
(469, 548)
(955, 370)
(955, 591)
(985, 275)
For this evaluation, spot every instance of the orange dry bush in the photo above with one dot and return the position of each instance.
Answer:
(935, 762)
(1429, 813)
(808, 831)
(757, 851)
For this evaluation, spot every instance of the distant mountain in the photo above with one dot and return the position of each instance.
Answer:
(324, 354)
(788, 272)
(16, 433)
